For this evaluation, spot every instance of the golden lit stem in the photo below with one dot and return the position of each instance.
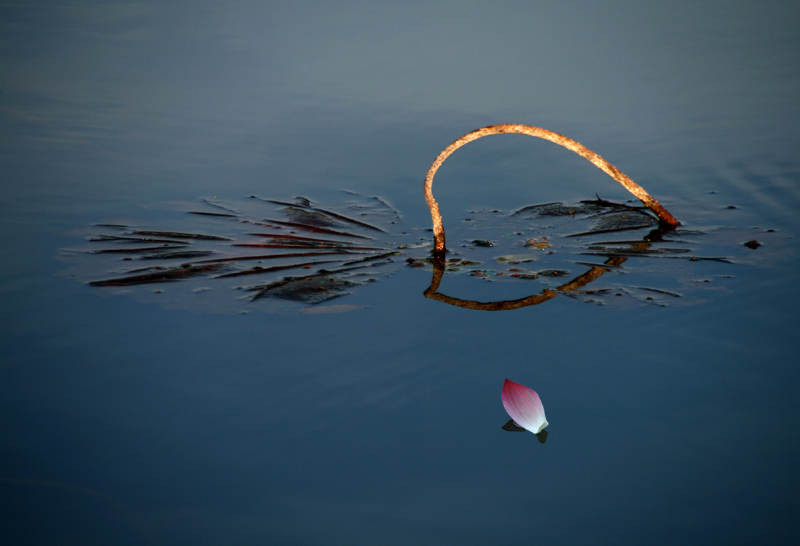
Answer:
(568, 143)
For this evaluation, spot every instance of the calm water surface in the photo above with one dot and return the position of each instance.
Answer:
(129, 419)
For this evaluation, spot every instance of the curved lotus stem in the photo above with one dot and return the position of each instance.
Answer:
(433, 293)
(599, 162)
(524, 406)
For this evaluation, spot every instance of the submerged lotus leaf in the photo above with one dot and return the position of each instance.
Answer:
(311, 218)
(309, 290)
(623, 220)
(556, 209)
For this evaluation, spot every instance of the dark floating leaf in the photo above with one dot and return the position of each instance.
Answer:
(178, 255)
(372, 258)
(310, 290)
(297, 238)
(608, 217)
(554, 209)
(220, 214)
(275, 256)
(140, 250)
(159, 275)
(331, 245)
(262, 270)
(316, 229)
(311, 218)
(114, 238)
(325, 217)
(659, 291)
(179, 235)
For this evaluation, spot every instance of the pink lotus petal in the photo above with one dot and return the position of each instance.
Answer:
(524, 406)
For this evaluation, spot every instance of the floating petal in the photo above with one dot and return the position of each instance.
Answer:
(524, 406)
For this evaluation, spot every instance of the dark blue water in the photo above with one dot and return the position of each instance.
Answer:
(129, 419)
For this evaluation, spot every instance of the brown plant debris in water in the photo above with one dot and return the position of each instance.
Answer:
(523, 246)
(521, 234)
(595, 159)
(336, 249)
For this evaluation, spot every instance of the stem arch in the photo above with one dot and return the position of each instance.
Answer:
(568, 143)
